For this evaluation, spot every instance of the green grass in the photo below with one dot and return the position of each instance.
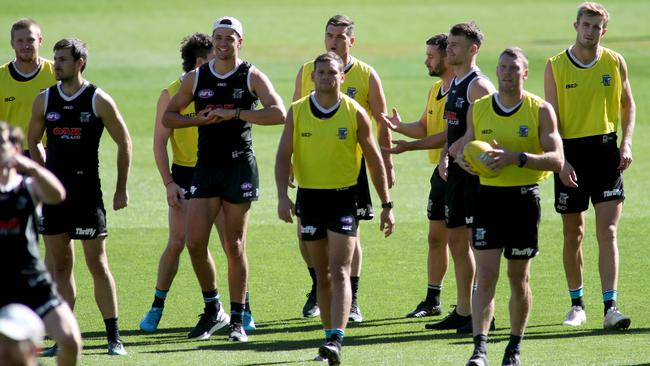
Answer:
(134, 53)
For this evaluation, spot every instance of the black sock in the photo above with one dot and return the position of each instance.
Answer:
(433, 294)
(336, 338)
(354, 284)
(112, 330)
(211, 300)
(514, 343)
(480, 343)
(159, 298)
(609, 304)
(236, 312)
(312, 274)
(578, 302)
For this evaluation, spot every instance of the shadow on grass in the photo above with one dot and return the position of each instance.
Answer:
(564, 333)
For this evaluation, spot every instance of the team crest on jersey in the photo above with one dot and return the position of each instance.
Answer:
(459, 103)
(343, 133)
(607, 80)
(205, 93)
(84, 117)
(237, 93)
(523, 131)
(351, 92)
(53, 116)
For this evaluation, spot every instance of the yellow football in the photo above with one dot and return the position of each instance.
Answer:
(476, 155)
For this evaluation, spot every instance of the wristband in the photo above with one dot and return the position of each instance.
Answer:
(168, 183)
(388, 204)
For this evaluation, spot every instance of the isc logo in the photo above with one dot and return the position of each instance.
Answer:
(571, 86)
(10, 99)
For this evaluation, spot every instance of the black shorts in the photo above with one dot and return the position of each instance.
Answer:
(508, 218)
(82, 214)
(595, 160)
(326, 209)
(364, 202)
(436, 204)
(234, 182)
(460, 196)
(182, 176)
(37, 294)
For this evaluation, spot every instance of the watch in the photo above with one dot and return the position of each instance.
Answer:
(388, 204)
(523, 158)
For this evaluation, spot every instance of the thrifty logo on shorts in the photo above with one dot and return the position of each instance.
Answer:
(526, 251)
(88, 231)
(311, 230)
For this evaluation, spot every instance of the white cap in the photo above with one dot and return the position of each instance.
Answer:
(230, 23)
(20, 323)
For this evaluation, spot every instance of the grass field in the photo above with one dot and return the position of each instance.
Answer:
(134, 54)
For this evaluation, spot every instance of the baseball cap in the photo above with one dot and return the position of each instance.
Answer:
(229, 22)
(20, 323)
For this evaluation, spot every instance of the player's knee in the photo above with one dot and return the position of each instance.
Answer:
(70, 343)
(607, 233)
(518, 282)
(98, 268)
(436, 241)
(574, 233)
(196, 247)
(176, 245)
(487, 275)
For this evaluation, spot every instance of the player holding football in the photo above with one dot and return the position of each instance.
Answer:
(326, 132)
(431, 132)
(225, 92)
(523, 129)
(362, 84)
(588, 86)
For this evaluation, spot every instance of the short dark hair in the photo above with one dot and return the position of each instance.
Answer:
(342, 21)
(327, 57)
(195, 46)
(77, 48)
(516, 52)
(24, 23)
(469, 30)
(440, 41)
